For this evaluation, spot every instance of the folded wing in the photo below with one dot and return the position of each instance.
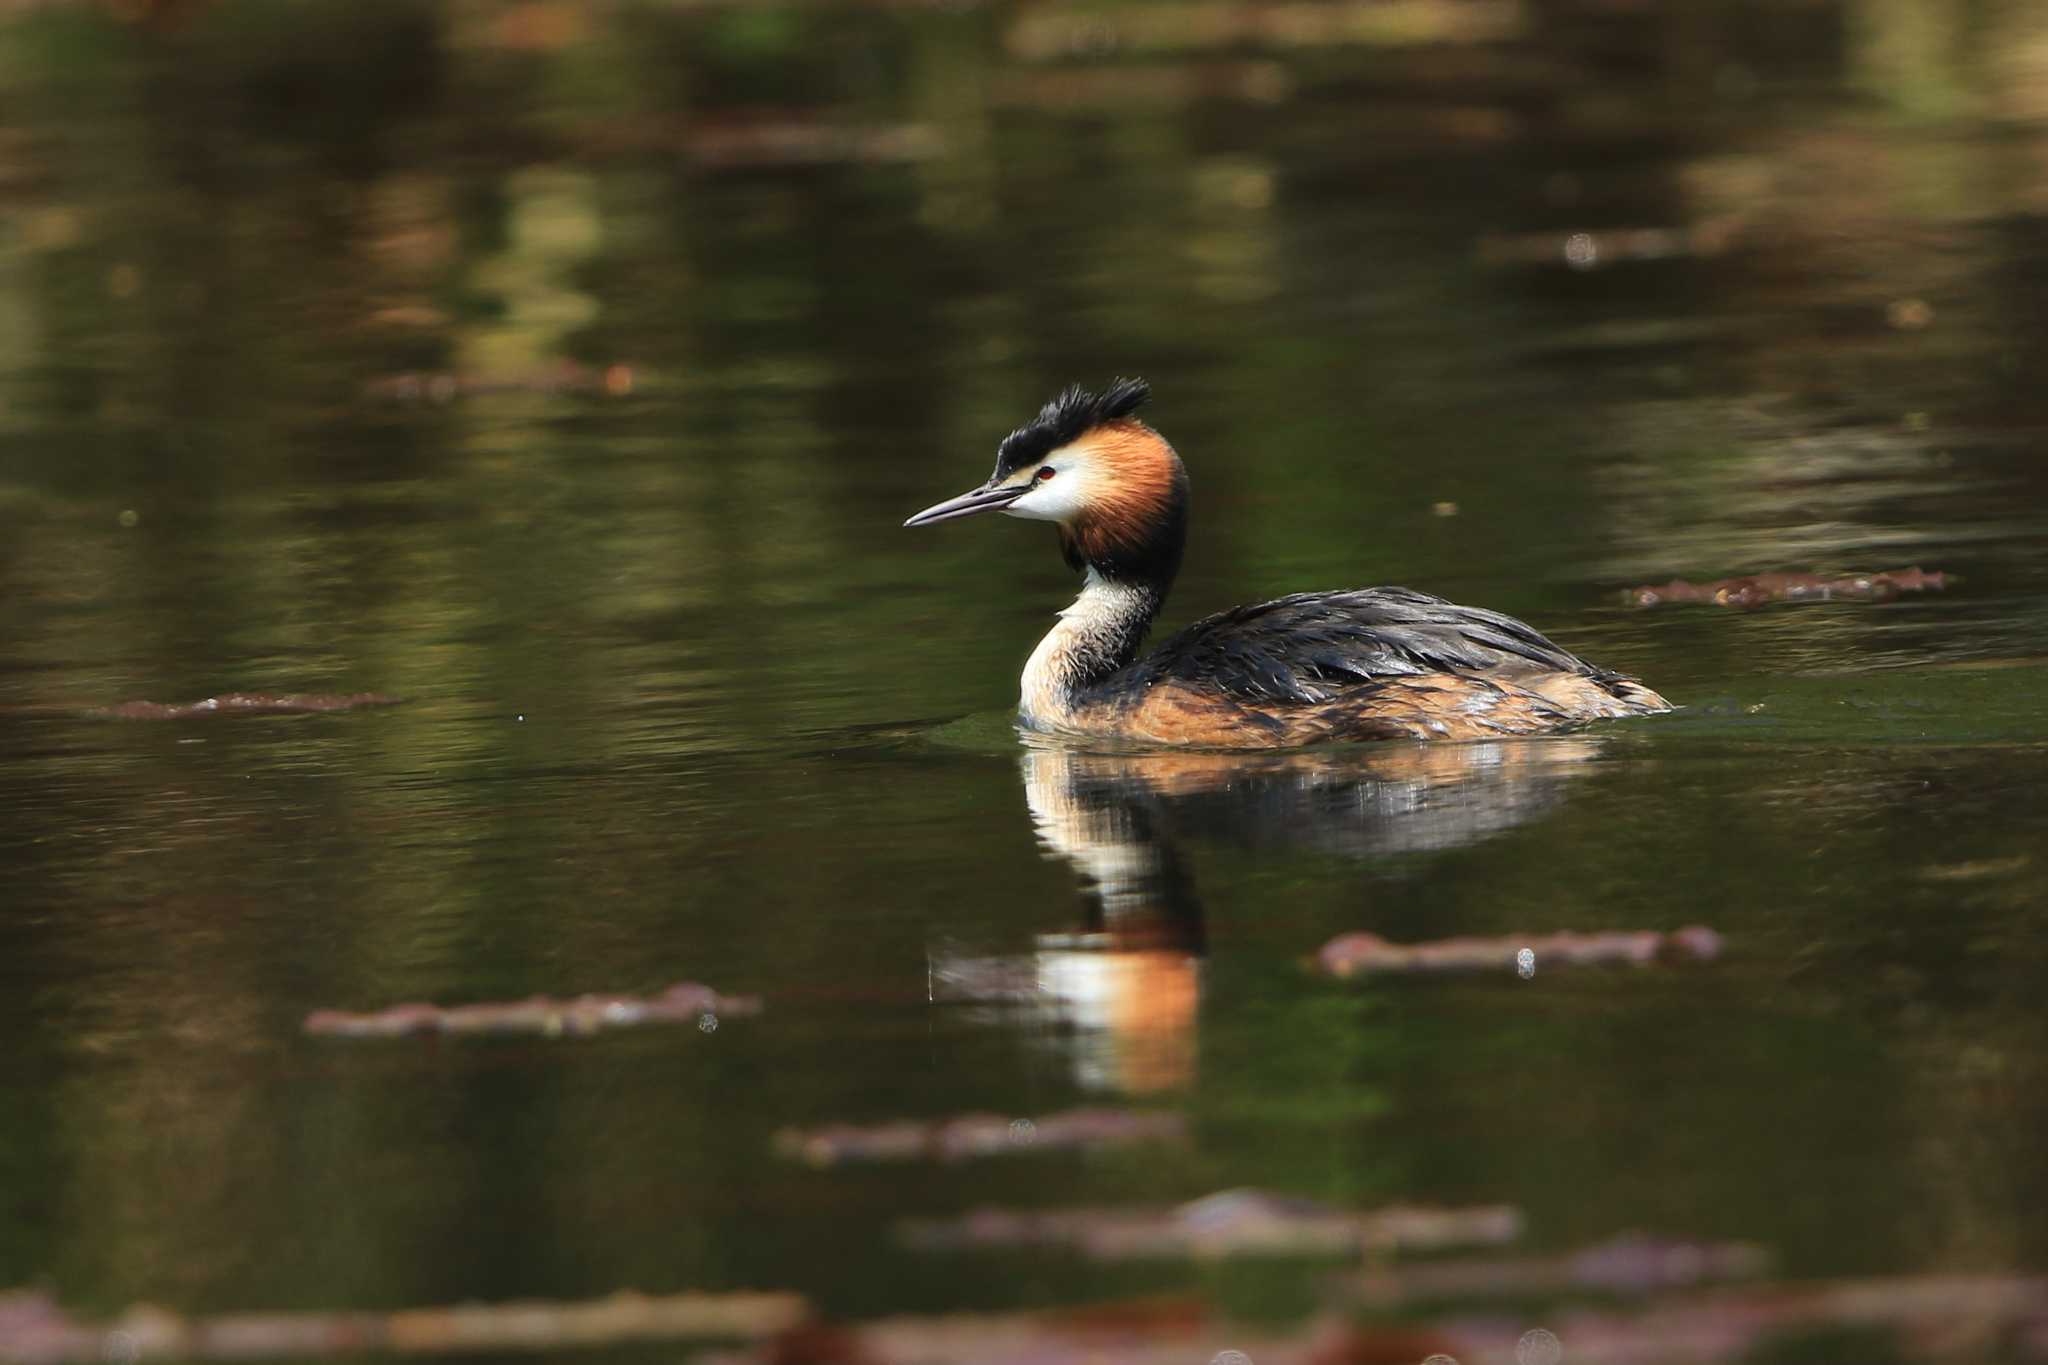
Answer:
(1313, 646)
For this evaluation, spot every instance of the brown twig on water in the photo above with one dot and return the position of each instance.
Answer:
(760, 137)
(1626, 1265)
(1591, 250)
(977, 1135)
(35, 1331)
(1928, 1316)
(1143, 1333)
(1230, 1223)
(1916, 1317)
(1363, 954)
(1756, 590)
(797, 141)
(1046, 33)
(684, 1003)
(246, 704)
(569, 377)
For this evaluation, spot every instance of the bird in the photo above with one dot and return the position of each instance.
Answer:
(1312, 667)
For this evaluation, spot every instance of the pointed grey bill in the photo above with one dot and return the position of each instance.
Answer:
(969, 504)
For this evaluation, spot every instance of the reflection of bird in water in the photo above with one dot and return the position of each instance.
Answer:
(1407, 798)
(1375, 663)
(1129, 983)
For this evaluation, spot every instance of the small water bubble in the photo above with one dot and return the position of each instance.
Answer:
(1525, 963)
(1231, 1358)
(1538, 1347)
(1581, 252)
(521, 718)
(707, 1023)
(1023, 1132)
(129, 517)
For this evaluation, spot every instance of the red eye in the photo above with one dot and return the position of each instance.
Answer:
(1045, 472)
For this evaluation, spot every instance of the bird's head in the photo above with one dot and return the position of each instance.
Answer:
(1113, 485)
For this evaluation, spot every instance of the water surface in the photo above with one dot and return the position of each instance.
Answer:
(683, 702)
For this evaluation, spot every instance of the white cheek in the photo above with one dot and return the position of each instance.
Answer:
(1059, 498)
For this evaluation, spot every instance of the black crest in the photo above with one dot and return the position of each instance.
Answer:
(1065, 419)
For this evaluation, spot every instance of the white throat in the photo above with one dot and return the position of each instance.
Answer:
(1095, 635)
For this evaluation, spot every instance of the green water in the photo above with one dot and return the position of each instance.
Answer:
(684, 702)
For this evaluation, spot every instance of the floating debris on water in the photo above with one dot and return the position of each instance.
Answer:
(35, 1331)
(612, 381)
(795, 142)
(1975, 870)
(1592, 250)
(1702, 1328)
(977, 1135)
(1909, 315)
(1051, 32)
(1230, 1223)
(1363, 954)
(1925, 1316)
(1152, 86)
(1732, 1324)
(1626, 1265)
(1144, 1333)
(246, 704)
(686, 1002)
(735, 139)
(1756, 590)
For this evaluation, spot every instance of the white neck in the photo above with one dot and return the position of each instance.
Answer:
(1097, 635)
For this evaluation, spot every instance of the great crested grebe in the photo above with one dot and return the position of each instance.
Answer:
(1371, 663)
